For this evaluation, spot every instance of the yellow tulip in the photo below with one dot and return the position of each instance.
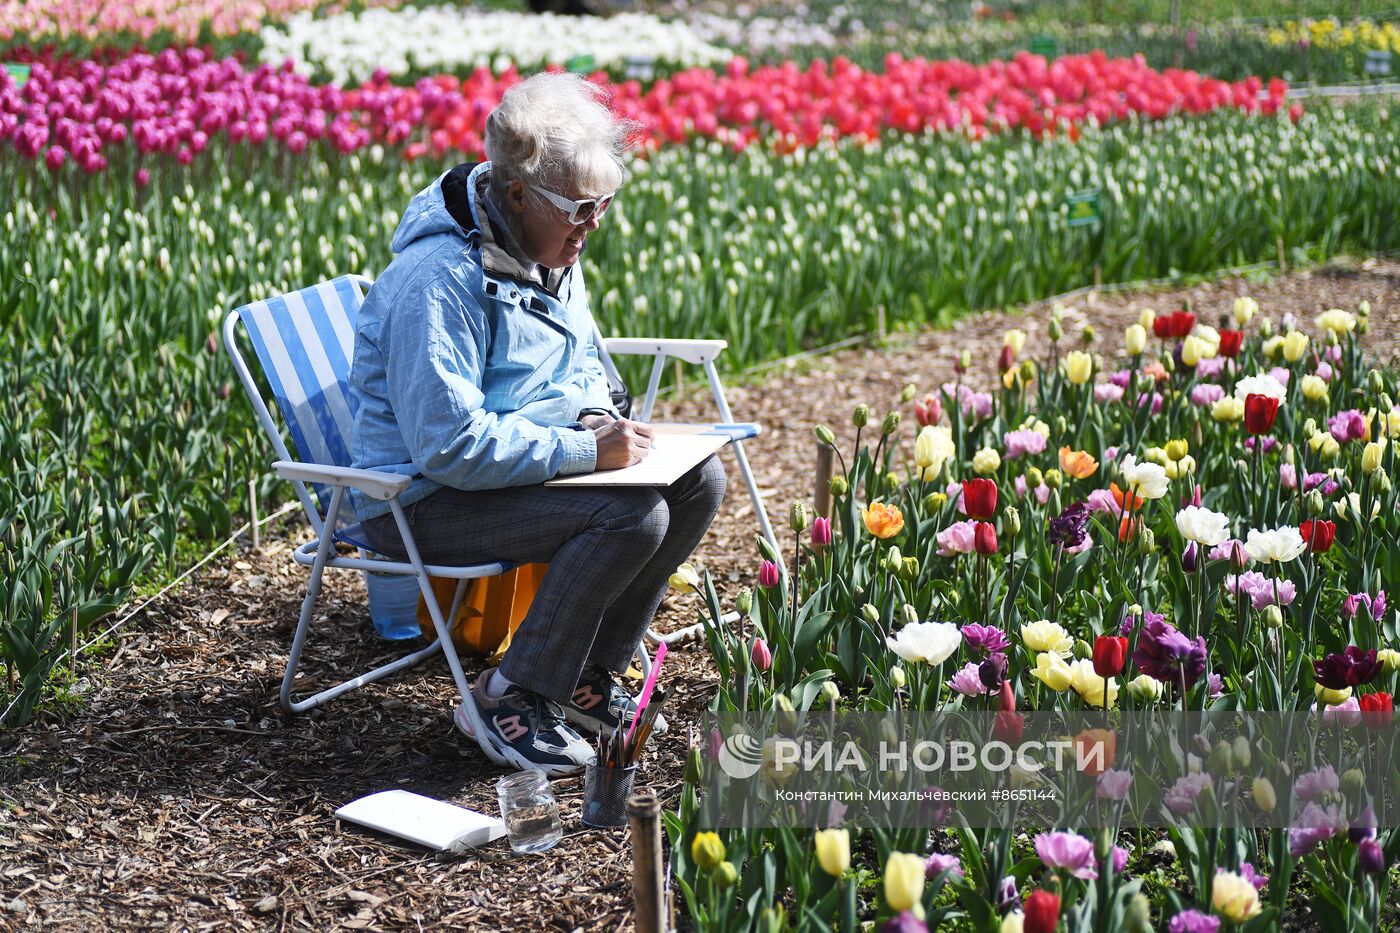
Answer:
(1314, 388)
(1135, 339)
(904, 880)
(686, 579)
(1015, 339)
(1389, 659)
(1264, 796)
(1079, 367)
(1228, 409)
(1145, 318)
(833, 850)
(1176, 469)
(1051, 670)
(1337, 321)
(1234, 897)
(1177, 449)
(1191, 349)
(1044, 635)
(1295, 345)
(707, 850)
(986, 462)
(1331, 697)
(1089, 684)
(1245, 309)
(1272, 346)
(1371, 456)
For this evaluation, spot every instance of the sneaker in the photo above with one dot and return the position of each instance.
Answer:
(522, 730)
(599, 703)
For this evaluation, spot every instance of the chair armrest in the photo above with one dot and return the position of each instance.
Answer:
(376, 483)
(698, 352)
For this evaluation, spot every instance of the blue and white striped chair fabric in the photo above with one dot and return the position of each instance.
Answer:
(305, 342)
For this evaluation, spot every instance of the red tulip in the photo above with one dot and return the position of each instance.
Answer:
(1110, 651)
(984, 538)
(979, 498)
(1008, 727)
(1376, 709)
(1230, 343)
(929, 411)
(1319, 533)
(1042, 909)
(821, 533)
(1259, 413)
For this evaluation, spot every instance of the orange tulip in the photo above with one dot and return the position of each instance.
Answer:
(1157, 371)
(1127, 527)
(1095, 750)
(1077, 463)
(883, 521)
(1126, 501)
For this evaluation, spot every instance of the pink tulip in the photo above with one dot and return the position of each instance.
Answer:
(821, 533)
(761, 656)
(768, 574)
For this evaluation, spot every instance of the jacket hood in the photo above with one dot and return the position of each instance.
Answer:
(426, 215)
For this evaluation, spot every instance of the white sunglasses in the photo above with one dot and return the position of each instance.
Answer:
(578, 212)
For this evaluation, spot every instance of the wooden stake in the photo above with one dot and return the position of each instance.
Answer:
(73, 641)
(880, 326)
(648, 896)
(253, 514)
(1282, 256)
(1098, 277)
(680, 380)
(821, 492)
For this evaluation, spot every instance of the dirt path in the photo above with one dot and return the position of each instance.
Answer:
(179, 796)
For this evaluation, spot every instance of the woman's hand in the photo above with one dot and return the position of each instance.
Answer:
(621, 443)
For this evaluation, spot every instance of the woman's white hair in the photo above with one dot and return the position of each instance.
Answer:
(555, 130)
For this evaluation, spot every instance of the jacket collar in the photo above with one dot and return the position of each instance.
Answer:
(501, 256)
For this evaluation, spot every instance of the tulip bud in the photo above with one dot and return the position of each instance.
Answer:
(891, 479)
(908, 394)
(797, 517)
(1086, 336)
(694, 766)
(760, 654)
(911, 615)
(871, 614)
(724, 875)
(825, 435)
(1314, 502)
(1390, 660)
(839, 486)
(783, 703)
(1176, 450)
(1264, 797)
(1370, 856)
(1147, 541)
(1027, 370)
(1272, 616)
(1053, 478)
(744, 601)
(1240, 753)
(1382, 481)
(1054, 330)
(1011, 521)
(707, 850)
(893, 559)
(1061, 426)
(1138, 917)
(1371, 457)
(1169, 363)
(891, 423)
(830, 692)
(964, 361)
(1363, 309)
(1266, 328)
(861, 416)
(897, 677)
(1082, 649)
(1376, 381)
(1353, 783)
(1034, 478)
(909, 569)
(1219, 760)
(1190, 558)
(935, 501)
(1135, 339)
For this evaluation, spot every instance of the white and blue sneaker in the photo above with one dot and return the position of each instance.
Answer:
(599, 703)
(523, 730)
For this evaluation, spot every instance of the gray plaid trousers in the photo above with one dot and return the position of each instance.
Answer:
(610, 554)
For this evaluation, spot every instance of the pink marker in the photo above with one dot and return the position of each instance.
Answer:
(647, 687)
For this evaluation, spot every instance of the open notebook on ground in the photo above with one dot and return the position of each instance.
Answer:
(676, 450)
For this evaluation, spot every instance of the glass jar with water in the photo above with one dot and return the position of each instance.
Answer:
(530, 811)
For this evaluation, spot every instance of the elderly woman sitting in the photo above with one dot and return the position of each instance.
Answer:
(475, 373)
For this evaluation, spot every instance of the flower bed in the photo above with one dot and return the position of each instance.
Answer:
(1206, 521)
(350, 47)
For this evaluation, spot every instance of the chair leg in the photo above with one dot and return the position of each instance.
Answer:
(308, 606)
(717, 390)
(444, 639)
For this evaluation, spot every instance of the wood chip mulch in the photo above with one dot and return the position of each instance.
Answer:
(178, 795)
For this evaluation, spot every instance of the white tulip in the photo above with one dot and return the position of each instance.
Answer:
(929, 642)
(1203, 526)
(1280, 545)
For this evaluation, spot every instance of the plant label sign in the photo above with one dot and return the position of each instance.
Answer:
(580, 64)
(1378, 63)
(1084, 207)
(19, 74)
(640, 68)
(1043, 45)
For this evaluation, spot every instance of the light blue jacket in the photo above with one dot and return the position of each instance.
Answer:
(469, 372)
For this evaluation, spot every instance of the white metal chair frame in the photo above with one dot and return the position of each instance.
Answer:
(320, 553)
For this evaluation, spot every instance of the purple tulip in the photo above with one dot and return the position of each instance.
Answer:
(1370, 857)
(1193, 921)
(1069, 851)
(1068, 528)
(1167, 655)
(1350, 668)
(937, 864)
(985, 638)
(904, 922)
